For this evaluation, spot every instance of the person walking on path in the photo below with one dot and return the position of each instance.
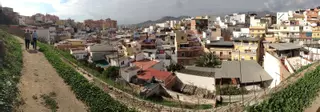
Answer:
(27, 39)
(34, 40)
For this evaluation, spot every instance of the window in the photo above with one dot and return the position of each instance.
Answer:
(229, 53)
(122, 63)
(221, 53)
(251, 58)
(182, 54)
(182, 38)
(284, 27)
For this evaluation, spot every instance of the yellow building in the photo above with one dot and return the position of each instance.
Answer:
(316, 32)
(245, 49)
(257, 31)
(75, 42)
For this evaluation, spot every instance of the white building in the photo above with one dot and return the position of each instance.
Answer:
(163, 25)
(236, 18)
(123, 61)
(282, 16)
(79, 54)
(44, 35)
(273, 66)
(244, 32)
(129, 72)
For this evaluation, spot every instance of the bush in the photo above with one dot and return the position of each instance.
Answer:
(232, 90)
(111, 72)
(293, 98)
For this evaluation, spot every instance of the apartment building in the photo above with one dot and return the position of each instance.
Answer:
(199, 24)
(188, 48)
(257, 27)
(316, 32)
(245, 48)
(223, 49)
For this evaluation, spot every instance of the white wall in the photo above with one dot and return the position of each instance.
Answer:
(139, 56)
(202, 82)
(114, 62)
(282, 16)
(272, 67)
(313, 55)
(290, 68)
(127, 75)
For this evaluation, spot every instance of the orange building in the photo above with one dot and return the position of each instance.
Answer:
(101, 24)
(312, 13)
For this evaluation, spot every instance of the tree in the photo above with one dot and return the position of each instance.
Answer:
(175, 67)
(260, 50)
(208, 60)
(111, 72)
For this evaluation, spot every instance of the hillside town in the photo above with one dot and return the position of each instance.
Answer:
(187, 60)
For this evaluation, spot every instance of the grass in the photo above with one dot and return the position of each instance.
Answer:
(10, 72)
(161, 101)
(50, 102)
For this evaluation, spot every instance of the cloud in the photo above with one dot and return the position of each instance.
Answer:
(284, 5)
(134, 11)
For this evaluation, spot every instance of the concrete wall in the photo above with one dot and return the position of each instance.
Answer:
(290, 68)
(272, 67)
(199, 81)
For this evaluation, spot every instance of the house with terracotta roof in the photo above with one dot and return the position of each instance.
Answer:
(163, 77)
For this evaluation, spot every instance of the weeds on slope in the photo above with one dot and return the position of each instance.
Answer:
(294, 98)
(10, 71)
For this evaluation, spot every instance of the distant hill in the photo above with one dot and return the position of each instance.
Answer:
(163, 19)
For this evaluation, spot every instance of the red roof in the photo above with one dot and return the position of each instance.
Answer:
(145, 64)
(149, 73)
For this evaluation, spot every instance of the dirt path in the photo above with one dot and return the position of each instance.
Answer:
(39, 77)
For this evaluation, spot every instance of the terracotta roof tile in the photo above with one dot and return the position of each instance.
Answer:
(145, 64)
(149, 73)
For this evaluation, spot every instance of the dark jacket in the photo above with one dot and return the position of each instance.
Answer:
(27, 36)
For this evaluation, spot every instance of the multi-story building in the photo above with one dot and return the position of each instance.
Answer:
(282, 16)
(200, 24)
(257, 27)
(101, 24)
(222, 49)
(38, 17)
(108, 23)
(187, 48)
(316, 31)
(312, 13)
(245, 49)
(50, 18)
(236, 18)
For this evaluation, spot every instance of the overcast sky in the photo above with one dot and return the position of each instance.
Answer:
(135, 11)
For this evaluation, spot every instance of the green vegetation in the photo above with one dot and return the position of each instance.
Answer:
(208, 60)
(111, 72)
(94, 97)
(10, 71)
(293, 98)
(50, 102)
(175, 67)
(161, 101)
(231, 90)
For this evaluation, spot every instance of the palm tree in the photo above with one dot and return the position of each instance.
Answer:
(208, 60)
(260, 50)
